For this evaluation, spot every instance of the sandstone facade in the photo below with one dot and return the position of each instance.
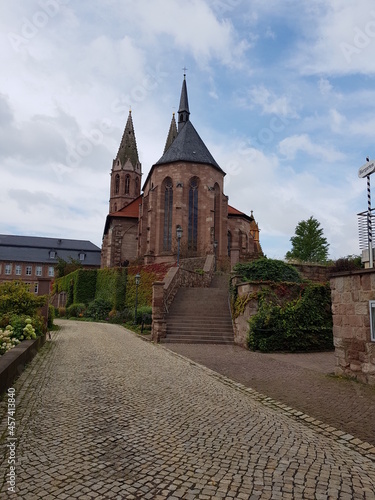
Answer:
(184, 189)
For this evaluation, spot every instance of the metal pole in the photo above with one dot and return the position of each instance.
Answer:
(369, 228)
(178, 252)
(137, 281)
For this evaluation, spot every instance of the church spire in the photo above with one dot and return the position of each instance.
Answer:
(126, 171)
(183, 112)
(128, 146)
(171, 134)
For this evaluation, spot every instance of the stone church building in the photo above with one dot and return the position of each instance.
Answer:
(184, 189)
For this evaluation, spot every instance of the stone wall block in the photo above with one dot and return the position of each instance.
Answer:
(361, 308)
(366, 282)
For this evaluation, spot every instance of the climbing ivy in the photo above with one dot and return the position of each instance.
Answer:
(264, 269)
(301, 324)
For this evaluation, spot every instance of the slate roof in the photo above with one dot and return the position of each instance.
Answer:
(37, 249)
(189, 147)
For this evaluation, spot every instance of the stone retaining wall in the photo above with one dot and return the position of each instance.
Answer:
(13, 362)
(354, 350)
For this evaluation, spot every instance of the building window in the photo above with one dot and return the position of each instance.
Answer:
(18, 270)
(29, 270)
(36, 287)
(136, 186)
(38, 271)
(117, 184)
(193, 215)
(127, 184)
(82, 256)
(168, 211)
(8, 268)
(51, 271)
(52, 254)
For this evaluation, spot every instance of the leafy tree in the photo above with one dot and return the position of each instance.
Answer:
(64, 267)
(308, 244)
(16, 298)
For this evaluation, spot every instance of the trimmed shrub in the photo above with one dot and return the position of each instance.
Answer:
(120, 317)
(98, 309)
(144, 312)
(75, 310)
(264, 269)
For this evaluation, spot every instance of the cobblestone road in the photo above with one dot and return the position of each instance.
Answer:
(298, 380)
(102, 414)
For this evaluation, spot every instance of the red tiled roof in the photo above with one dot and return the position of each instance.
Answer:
(131, 210)
(234, 211)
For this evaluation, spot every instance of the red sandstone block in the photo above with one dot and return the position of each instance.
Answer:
(361, 308)
(366, 282)
(355, 320)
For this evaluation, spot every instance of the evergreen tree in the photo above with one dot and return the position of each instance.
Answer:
(308, 244)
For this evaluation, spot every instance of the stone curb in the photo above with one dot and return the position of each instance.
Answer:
(362, 447)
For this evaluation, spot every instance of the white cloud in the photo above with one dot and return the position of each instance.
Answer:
(270, 103)
(340, 41)
(295, 144)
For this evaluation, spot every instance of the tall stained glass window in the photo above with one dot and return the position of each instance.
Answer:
(193, 215)
(168, 211)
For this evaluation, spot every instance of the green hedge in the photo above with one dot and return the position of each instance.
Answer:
(264, 269)
(303, 324)
(111, 286)
(85, 285)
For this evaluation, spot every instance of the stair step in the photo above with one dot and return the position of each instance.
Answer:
(201, 315)
(196, 340)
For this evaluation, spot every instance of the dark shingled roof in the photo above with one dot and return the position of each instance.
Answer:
(188, 146)
(37, 249)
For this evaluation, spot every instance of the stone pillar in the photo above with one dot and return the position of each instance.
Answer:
(354, 350)
(159, 325)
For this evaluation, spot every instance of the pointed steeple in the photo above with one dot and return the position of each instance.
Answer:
(171, 134)
(128, 145)
(183, 112)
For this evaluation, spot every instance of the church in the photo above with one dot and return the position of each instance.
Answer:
(182, 207)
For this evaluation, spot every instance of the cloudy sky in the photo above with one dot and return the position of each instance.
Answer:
(281, 91)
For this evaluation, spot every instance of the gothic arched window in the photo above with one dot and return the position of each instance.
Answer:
(168, 211)
(136, 186)
(127, 184)
(117, 184)
(193, 214)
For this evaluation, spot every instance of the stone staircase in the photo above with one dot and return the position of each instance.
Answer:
(201, 315)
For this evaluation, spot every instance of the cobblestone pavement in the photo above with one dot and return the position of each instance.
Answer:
(102, 414)
(302, 381)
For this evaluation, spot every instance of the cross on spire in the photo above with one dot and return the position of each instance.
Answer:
(184, 69)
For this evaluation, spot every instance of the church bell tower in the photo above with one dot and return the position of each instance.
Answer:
(126, 171)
